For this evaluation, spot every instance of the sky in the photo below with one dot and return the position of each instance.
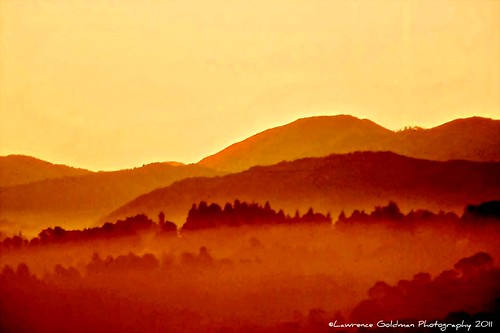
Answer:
(107, 85)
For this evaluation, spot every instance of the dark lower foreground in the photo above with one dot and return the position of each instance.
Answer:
(276, 279)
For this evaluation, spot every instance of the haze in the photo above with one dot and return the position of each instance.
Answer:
(110, 85)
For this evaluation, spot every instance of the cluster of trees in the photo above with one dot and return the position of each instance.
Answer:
(203, 216)
(129, 227)
(148, 262)
(471, 285)
(200, 216)
(56, 303)
(129, 262)
(121, 264)
(484, 212)
(410, 129)
(392, 214)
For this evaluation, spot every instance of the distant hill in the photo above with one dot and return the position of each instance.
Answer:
(475, 139)
(333, 183)
(20, 169)
(76, 202)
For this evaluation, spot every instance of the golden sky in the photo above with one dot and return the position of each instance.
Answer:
(113, 84)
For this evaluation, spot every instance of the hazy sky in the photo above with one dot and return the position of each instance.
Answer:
(115, 84)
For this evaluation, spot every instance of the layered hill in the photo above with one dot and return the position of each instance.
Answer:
(37, 193)
(333, 183)
(20, 169)
(475, 139)
(75, 202)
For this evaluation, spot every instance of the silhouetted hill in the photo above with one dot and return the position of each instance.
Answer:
(306, 137)
(333, 183)
(471, 286)
(20, 169)
(74, 202)
(475, 139)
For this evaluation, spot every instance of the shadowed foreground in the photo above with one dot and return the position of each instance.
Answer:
(254, 278)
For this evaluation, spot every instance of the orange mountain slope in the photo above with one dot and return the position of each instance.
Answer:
(20, 169)
(80, 201)
(333, 183)
(475, 139)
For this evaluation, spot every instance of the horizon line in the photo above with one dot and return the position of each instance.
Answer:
(236, 141)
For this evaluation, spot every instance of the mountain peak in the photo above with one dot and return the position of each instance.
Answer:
(473, 138)
(472, 121)
(23, 169)
(305, 137)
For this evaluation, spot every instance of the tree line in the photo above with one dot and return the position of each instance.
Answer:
(208, 216)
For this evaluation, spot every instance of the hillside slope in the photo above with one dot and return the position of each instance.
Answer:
(333, 183)
(80, 201)
(20, 169)
(475, 139)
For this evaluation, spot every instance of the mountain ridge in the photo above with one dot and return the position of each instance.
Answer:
(93, 194)
(475, 138)
(82, 200)
(16, 169)
(332, 183)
